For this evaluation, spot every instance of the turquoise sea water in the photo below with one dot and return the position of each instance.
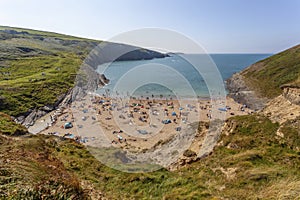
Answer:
(184, 75)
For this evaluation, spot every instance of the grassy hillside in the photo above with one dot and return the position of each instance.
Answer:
(9, 127)
(268, 75)
(249, 163)
(37, 67)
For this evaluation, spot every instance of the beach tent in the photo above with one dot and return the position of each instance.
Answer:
(144, 132)
(223, 109)
(167, 121)
(68, 125)
(181, 108)
(120, 137)
(173, 113)
(178, 128)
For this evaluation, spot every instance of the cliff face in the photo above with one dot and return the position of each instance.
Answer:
(284, 107)
(292, 94)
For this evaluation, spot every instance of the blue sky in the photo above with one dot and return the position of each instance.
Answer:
(220, 26)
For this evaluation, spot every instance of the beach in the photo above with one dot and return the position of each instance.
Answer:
(132, 124)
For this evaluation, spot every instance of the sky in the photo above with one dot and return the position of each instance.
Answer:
(219, 26)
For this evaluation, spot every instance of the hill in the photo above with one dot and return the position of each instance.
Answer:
(264, 80)
(38, 69)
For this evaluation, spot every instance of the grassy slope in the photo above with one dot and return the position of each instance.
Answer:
(46, 33)
(265, 167)
(8, 127)
(38, 77)
(268, 75)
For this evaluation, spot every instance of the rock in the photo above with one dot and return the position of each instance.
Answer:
(20, 119)
(103, 79)
(240, 92)
(292, 93)
(47, 108)
(33, 116)
(189, 153)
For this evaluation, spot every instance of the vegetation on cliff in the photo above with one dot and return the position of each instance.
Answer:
(267, 76)
(250, 162)
(37, 67)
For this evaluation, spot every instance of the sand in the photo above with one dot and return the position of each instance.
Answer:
(132, 124)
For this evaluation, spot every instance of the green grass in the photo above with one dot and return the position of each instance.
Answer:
(267, 76)
(9, 127)
(265, 167)
(37, 81)
(33, 79)
(261, 161)
(46, 33)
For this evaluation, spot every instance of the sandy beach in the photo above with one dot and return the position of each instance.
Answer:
(132, 124)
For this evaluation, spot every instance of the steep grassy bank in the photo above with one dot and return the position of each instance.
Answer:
(250, 162)
(37, 67)
(267, 76)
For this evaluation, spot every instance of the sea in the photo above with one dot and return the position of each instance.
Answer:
(184, 75)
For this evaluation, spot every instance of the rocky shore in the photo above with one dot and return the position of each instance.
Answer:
(242, 93)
